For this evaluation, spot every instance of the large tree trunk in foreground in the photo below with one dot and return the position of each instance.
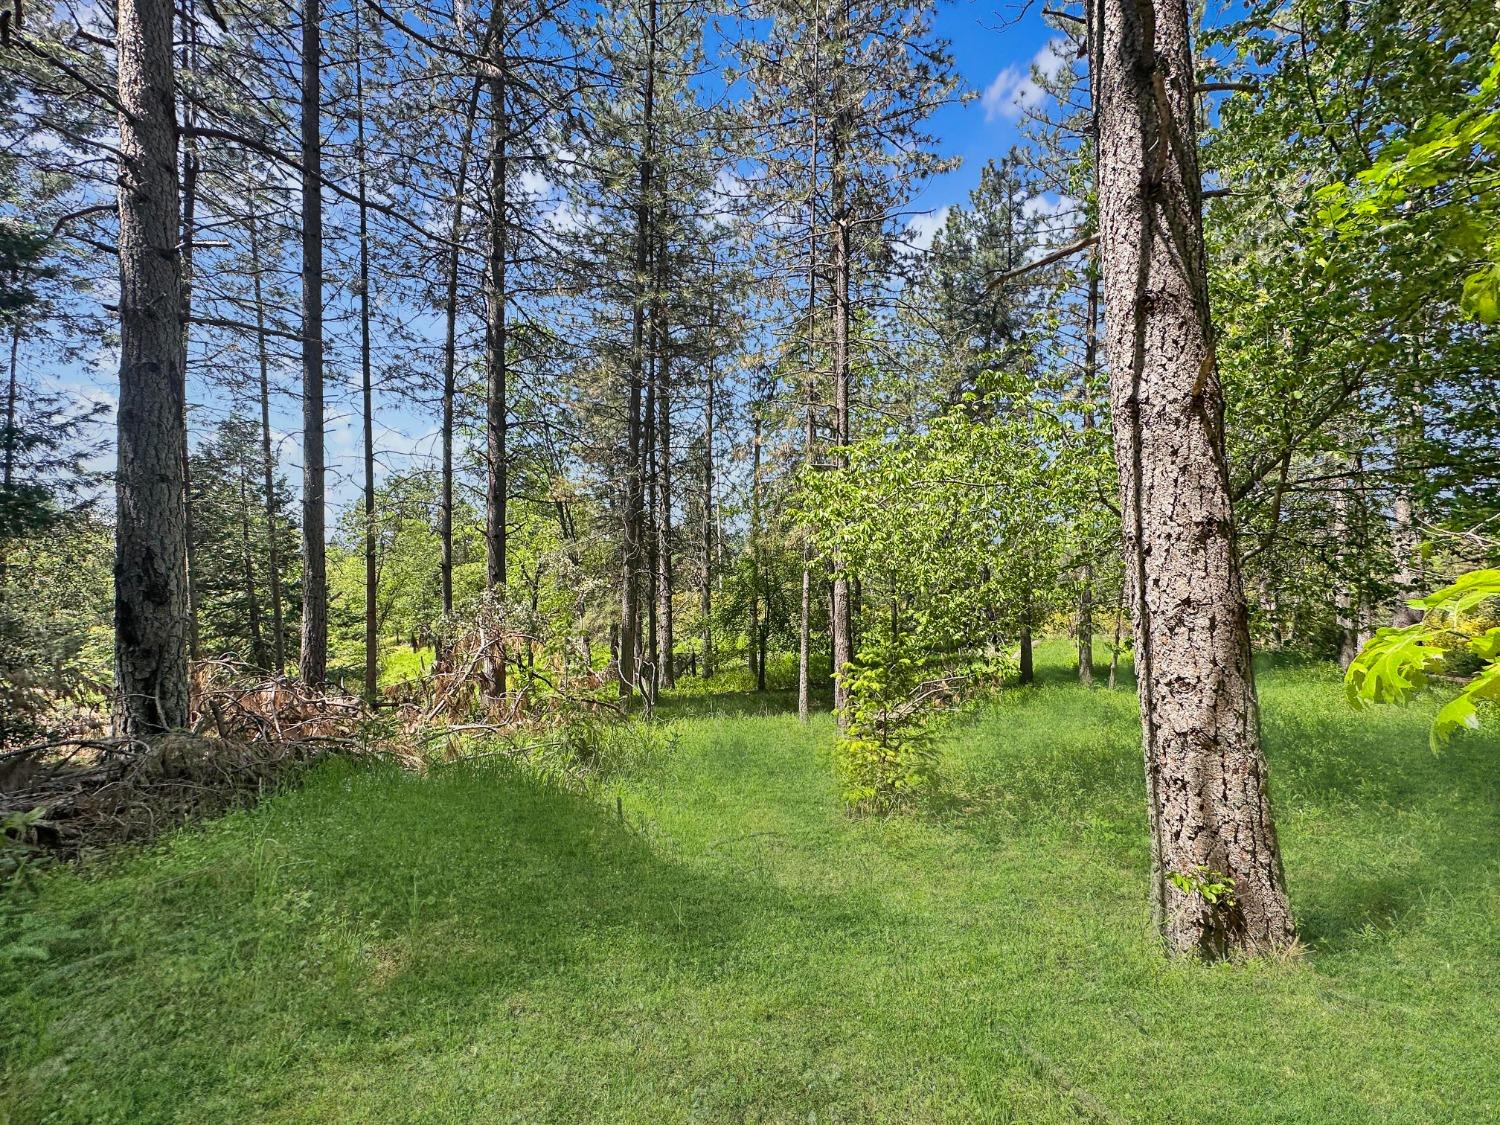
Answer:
(151, 603)
(313, 664)
(1205, 775)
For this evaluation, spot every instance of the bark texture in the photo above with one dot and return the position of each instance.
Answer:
(151, 600)
(1205, 774)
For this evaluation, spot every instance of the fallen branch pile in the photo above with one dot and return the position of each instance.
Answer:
(68, 798)
(249, 733)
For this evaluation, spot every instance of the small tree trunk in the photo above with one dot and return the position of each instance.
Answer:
(842, 624)
(665, 576)
(313, 663)
(707, 592)
(151, 604)
(367, 388)
(247, 566)
(650, 676)
(497, 406)
(1114, 648)
(450, 348)
(189, 232)
(809, 431)
(268, 461)
(1209, 813)
(756, 656)
(635, 503)
(1090, 374)
(1027, 672)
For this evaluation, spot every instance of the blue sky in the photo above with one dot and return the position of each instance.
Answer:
(993, 47)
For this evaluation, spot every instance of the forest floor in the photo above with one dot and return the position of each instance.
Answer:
(480, 945)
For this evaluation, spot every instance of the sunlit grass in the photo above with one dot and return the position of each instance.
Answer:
(478, 945)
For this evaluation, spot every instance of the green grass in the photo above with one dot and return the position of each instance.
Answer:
(479, 946)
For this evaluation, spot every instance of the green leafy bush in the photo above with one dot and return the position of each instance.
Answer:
(1397, 663)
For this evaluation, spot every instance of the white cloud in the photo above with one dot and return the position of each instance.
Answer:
(921, 229)
(1044, 206)
(534, 185)
(1013, 91)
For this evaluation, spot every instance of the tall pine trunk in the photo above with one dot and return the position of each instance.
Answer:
(366, 385)
(842, 623)
(313, 663)
(497, 485)
(151, 603)
(665, 576)
(268, 462)
(1208, 809)
(706, 594)
(809, 425)
(635, 501)
(450, 351)
(189, 234)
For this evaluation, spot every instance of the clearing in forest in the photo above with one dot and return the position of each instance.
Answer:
(481, 945)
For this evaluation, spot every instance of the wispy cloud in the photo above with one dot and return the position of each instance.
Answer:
(921, 229)
(1014, 91)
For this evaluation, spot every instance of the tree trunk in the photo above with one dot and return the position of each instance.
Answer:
(1090, 374)
(809, 424)
(707, 593)
(189, 232)
(450, 351)
(151, 610)
(665, 576)
(1114, 648)
(497, 404)
(651, 673)
(843, 641)
(268, 462)
(1027, 670)
(756, 656)
(247, 566)
(367, 389)
(1406, 535)
(313, 663)
(1205, 774)
(634, 507)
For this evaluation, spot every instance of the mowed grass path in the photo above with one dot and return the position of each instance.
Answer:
(480, 946)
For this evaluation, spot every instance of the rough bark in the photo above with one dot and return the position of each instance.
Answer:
(313, 662)
(1208, 808)
(151, 604)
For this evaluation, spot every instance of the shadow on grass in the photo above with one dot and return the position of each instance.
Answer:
(368, 908)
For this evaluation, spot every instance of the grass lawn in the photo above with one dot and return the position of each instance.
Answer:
(480, 946)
